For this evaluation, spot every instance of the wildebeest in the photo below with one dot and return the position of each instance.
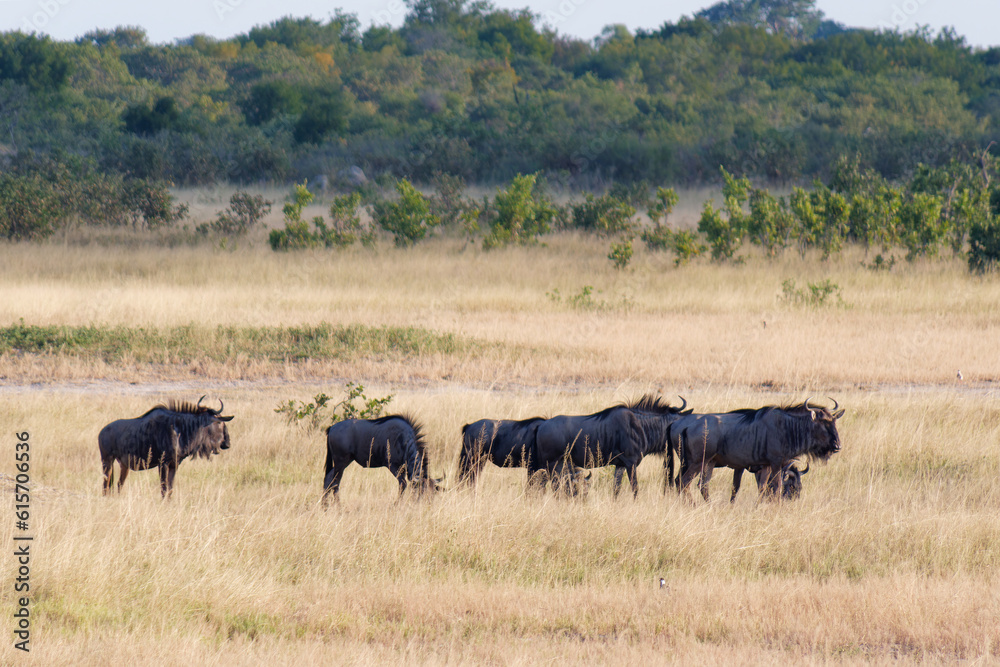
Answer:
(791, 481)
(504, 442)
(395, 442)
(163, 437)
(767, 438)
(618, 436)
(508, 444)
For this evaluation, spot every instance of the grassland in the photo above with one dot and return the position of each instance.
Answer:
(891, 555)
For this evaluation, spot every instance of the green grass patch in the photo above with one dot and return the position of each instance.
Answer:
(224, 343)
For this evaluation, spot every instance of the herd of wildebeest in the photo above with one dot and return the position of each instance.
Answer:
(767, 441)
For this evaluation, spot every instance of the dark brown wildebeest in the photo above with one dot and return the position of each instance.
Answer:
(767, 438)
(395, 442)
(618, 436)
(163, 437)
(791, 482)
(508, 444)
(505, 443)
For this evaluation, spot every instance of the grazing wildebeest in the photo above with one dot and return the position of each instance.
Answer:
(618, 436)
(395, 442)
(767, 438)
(504, 442)
(791, 481)
(163, 437)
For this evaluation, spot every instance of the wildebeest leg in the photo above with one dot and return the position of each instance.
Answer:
(668, 470)
(769, 481)
(400, 473)
(737, 478)
(706, 476)
(687, 474)
(167, 480)
(619, 470)
(122, 474)
(538, 479)
(331, 484)
(108, 467)
(633, 480)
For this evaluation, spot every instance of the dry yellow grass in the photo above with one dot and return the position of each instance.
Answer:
(891, 554)
(702, 325)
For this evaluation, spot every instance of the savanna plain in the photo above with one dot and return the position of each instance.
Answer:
(892, 554)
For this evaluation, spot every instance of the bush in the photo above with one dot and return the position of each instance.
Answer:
(661, 207)
(607, 215)
(725, 235)
(296, 234)
(319, 414)
(150, 201)
(770, 223)
(815, 294)
(29, 207)
(686, 246)
(345, 224)
(408, 219)
(518, 215)
(621, 254)
(245, 211)
(984, 246)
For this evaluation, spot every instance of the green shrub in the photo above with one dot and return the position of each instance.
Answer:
(686, 246)
(345, 224)
(725, 235)
(661, 207)
(518, 215)
(621, 254)
(296, 234)
(319, 414)
(984, 245)
(244, 212)
(815, 294)
(29, 207)
(606, 215)
(408, 219)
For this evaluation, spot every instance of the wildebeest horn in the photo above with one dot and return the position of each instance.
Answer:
(222, 406)
(802, 472)
(806, 404)
(684, 401)
(835, 404)
(200, 400)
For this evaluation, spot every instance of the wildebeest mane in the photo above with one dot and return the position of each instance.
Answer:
(650, 403)
(752, 414)
(418, 428)
(184, 407)
(514, 424)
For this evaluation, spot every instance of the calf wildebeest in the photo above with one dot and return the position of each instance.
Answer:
(618, 436)
(791, 481)
(163, 437)
(767, 438)
(504, 442)
(395, 442)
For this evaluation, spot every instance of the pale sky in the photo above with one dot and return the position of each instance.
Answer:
(977, 20)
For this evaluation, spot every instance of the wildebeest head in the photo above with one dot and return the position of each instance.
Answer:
(579, 483)
(824, 441)
(434, 484)
(212, 434)
(792, 487)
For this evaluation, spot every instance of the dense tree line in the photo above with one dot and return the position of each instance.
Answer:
(768, 89)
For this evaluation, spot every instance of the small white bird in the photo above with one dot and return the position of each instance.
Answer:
(960, 376)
